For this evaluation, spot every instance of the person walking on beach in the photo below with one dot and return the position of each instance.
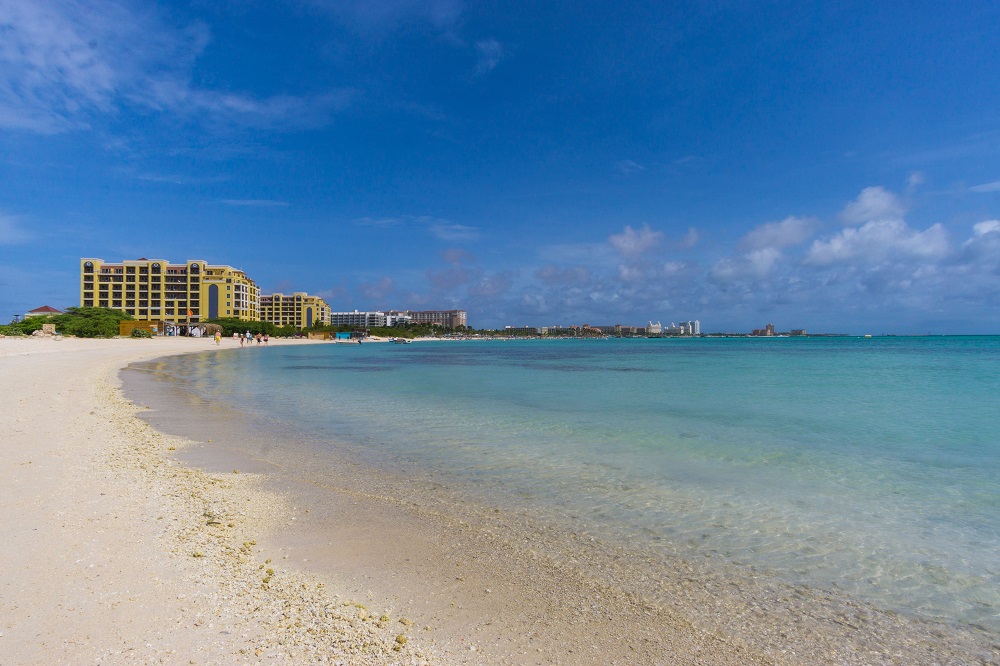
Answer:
(265, 339)
(218, 338)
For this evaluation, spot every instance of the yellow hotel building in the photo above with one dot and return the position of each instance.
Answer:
(299, 310)
(156, 290)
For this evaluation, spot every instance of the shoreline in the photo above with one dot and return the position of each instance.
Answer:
(555, 593)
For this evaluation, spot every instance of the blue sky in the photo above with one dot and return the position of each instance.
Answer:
(828, 166)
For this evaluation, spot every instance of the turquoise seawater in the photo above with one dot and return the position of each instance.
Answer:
(868, 466)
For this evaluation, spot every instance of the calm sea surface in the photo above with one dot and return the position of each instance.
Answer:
(870, 466)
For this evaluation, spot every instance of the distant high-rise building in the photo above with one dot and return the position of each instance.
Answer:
(443, 318)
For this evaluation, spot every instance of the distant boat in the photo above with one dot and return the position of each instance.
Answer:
(402, 341)
(868, 335)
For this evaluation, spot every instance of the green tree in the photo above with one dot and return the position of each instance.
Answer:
(90, 322)
(26, 327)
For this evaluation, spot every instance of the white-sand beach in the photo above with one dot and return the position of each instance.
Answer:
(115, 552)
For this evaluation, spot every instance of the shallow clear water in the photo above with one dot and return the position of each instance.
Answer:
(866, 465)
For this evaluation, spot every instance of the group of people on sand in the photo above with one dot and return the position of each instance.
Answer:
(246, 339)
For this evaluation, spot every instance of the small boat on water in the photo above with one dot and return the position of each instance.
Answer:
(402, 341)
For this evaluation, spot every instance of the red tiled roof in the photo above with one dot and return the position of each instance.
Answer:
(45, 309)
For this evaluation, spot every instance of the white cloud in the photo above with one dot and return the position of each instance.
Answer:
(50, 63)
(178, 96)
(874, 203)
(491, 286)
(632, 243)
(786, 233)
(454, 233)
(689, 240)
(674, 268)
(762, 261)
(752, 265)
(628, 167)
(490, 53)
(982, 250)
(877, 241)
(986, 227)
(65, 62)
(629, 273)
(986, 187)
(10, 231)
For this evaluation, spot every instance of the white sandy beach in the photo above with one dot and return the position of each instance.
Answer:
(114, 552)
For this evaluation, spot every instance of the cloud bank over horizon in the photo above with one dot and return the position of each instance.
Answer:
(799, 271)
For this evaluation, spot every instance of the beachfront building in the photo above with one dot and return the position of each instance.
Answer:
(524, 330)
(299, 310)
(397, 318)
(180, 294)
(442, 318)
(358, 319)
(43, 311)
